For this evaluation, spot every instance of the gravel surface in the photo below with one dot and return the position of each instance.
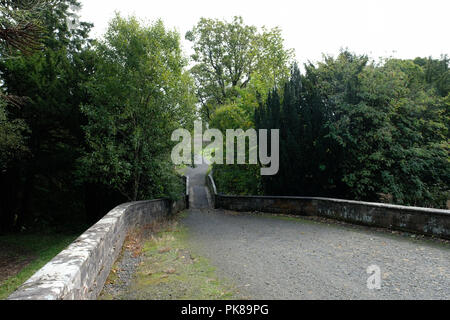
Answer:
(274, 258)
(126, 267)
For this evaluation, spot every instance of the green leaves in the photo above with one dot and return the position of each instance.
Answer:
(362, 130)
(140, 94)
(235, 63)
(12, 140)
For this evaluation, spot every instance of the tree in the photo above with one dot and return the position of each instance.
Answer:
(352, 128)
(20, 31)
(419, 174)
(41, 187)
(236, 67)
(20, 27)
(359, 124)
(140, 94)
(436, 73)
(229, 55)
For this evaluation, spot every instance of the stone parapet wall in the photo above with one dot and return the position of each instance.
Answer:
(433, 222)
(80, 271)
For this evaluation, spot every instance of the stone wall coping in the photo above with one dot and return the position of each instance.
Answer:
(213, 184)
(62, 274)
(343, 201)
(372, 204)
(187, 186)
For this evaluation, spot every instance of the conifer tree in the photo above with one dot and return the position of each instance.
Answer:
(52, 78)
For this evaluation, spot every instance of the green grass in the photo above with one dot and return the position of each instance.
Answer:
(40, 247)
(171, 270)
(178, 273)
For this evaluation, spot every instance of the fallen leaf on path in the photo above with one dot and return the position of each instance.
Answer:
(170, 271)
(164, 250)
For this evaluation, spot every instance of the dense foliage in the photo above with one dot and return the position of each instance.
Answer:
(38, 187)
(20, 25)
(235, 63)
(86, 124)
(351, 128)
(92, 129)
(236, 66)
(139, 96)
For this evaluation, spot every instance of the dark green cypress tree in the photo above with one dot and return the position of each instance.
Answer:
(306, 168)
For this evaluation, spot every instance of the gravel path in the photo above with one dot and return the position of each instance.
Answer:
(273, 258)
(126, 267)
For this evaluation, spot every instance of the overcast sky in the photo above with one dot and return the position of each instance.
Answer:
(399, 28)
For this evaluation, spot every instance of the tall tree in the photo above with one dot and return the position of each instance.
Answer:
(236, 67)
(140, 94)
(52, 78)
(20, 32)
(229, 55)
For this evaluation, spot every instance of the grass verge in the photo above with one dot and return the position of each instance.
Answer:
(170, 270)
(23, 254)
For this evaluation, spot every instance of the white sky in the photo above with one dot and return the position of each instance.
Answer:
(399, 28)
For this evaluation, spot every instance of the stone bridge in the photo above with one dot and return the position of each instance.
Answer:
(313, 253)
(284, 257)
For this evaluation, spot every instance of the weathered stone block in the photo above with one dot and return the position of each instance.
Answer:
(80, 271)
(434, 222)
